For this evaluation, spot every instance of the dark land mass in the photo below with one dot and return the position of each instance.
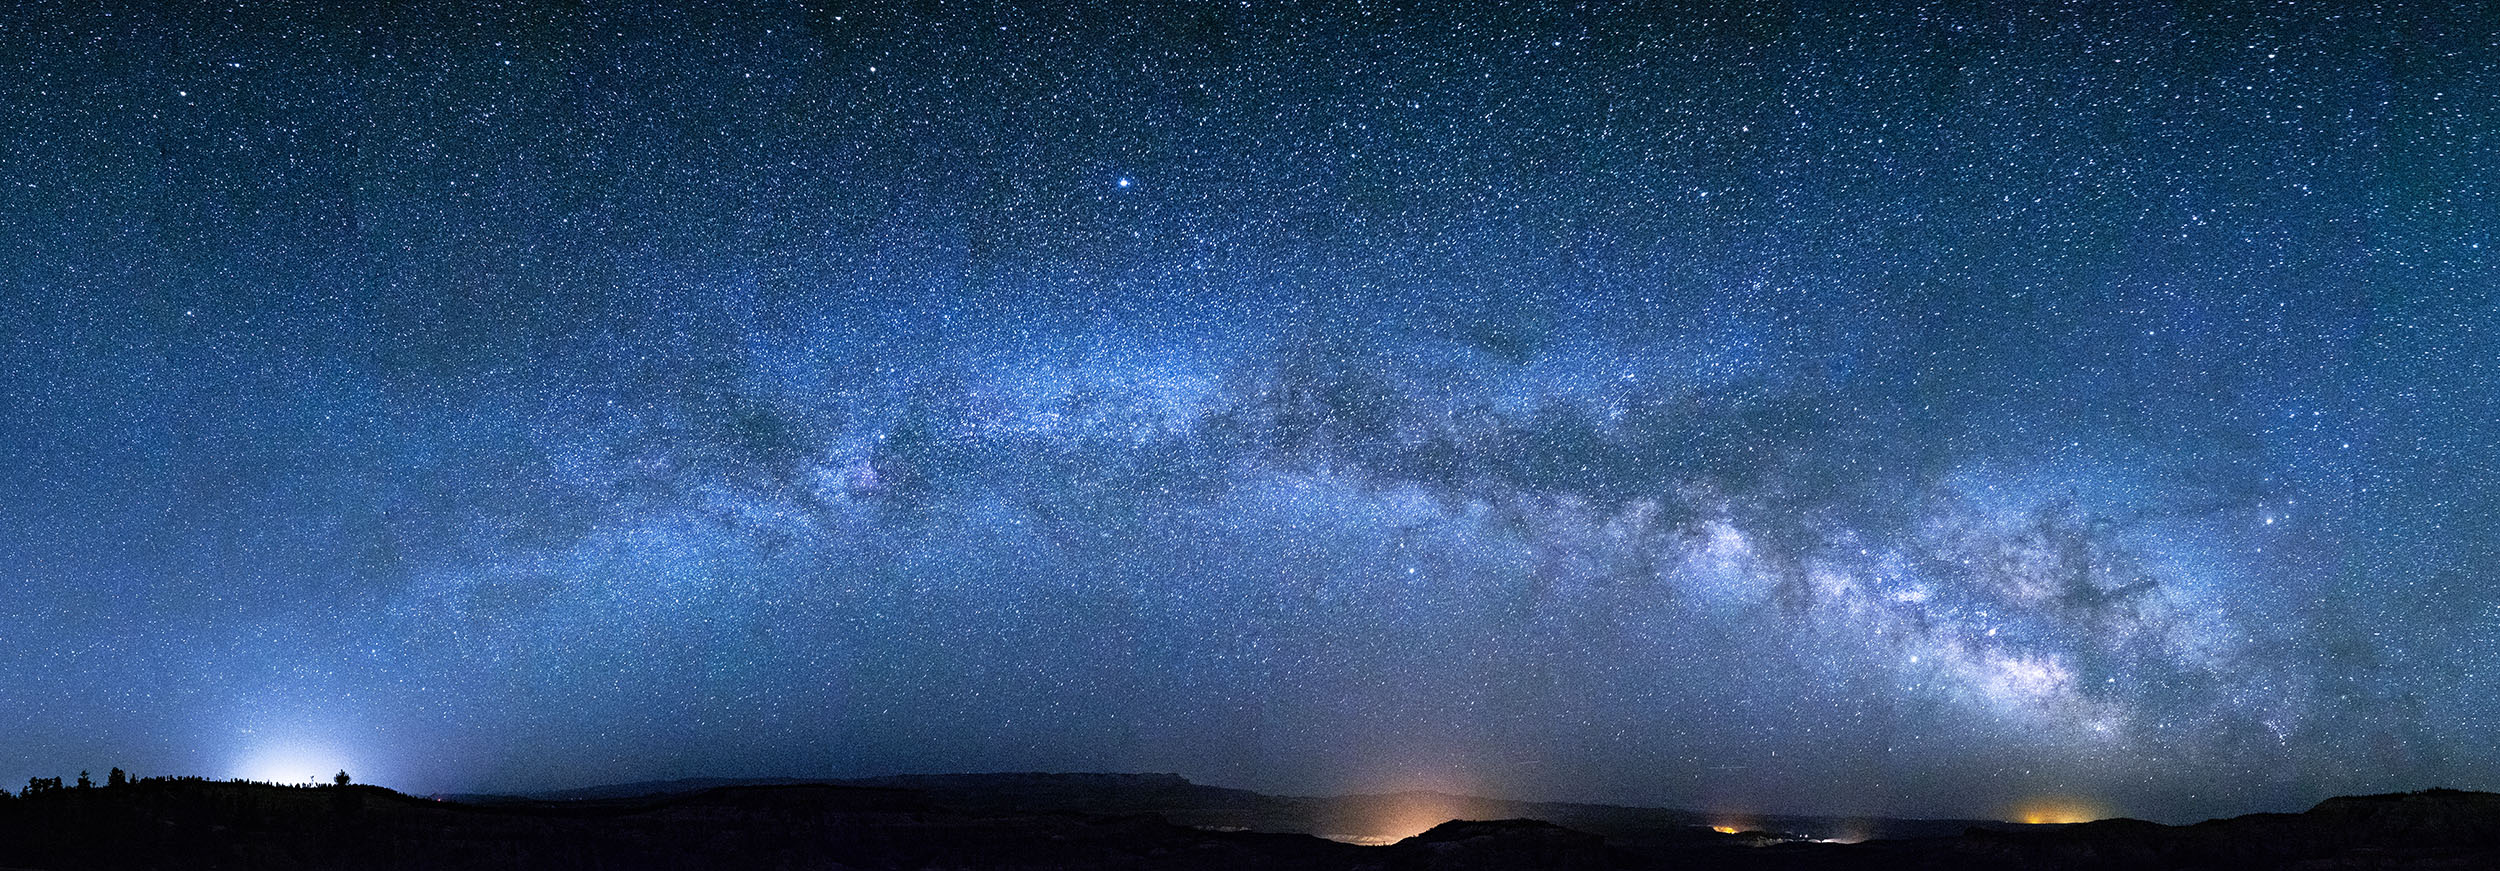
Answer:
(1342, 817)
(1122, 822)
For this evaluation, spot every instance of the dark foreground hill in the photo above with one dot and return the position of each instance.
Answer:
(199, 824)
(1375, 818)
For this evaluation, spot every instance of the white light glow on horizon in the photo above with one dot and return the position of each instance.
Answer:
(293, 764)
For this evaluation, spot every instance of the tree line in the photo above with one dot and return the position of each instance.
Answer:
(37, 787)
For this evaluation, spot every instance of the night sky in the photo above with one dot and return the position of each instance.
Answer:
(1927, 410)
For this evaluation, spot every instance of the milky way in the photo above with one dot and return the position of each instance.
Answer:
(1777, 407)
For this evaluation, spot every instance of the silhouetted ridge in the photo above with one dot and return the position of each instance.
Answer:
(1459, 830)
(2431, 815)
(1022, 821)
(1505, 844)
(2430, 829)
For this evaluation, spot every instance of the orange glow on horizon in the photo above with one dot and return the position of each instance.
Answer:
(2051, 810)
(1416, 795)
(1732, 819)
(1374, 820)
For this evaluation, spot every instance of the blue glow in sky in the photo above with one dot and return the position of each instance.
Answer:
(1917, 409)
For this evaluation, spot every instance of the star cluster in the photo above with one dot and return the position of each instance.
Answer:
(1909, 408)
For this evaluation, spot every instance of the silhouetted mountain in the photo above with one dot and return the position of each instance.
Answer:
(1362, 818)
(2437, 828)
(988, 822)
(1509, 844)
(235, 825)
